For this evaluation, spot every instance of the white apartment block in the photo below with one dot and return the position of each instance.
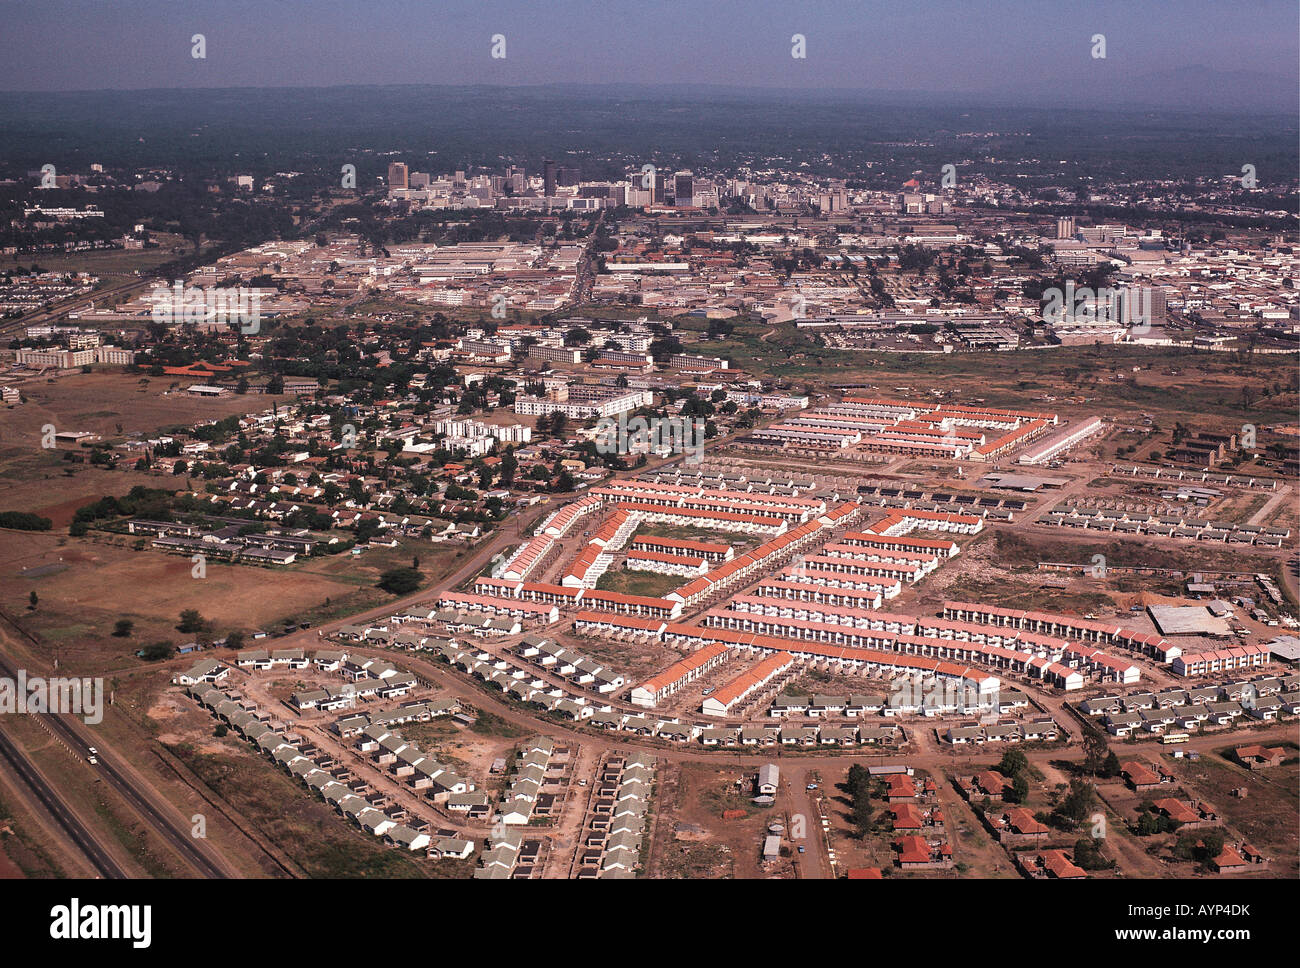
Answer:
(61, 359)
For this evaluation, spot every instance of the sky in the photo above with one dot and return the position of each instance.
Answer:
(940, 46)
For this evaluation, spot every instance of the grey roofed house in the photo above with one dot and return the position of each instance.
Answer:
(404, 836)
(719, 735)
(284, 755)
(790, 703)
(635, 789)
(769, 778)
(334, 792)
(301, 767)
(454, 847)
(1225, 708)
(871, 702)
(204, 669)
(805, 735)
(350, 725)
(626, 832)
(316, 779)
(624, 840)
(352, 806)
(637, 771)
(758, 735)
(828, 702)
(309, 699)
(621, 857)
(630, 807)
(270, 742)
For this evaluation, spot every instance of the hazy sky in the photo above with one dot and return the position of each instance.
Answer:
(918, 45)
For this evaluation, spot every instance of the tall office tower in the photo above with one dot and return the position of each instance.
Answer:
(656, 187)
(683, 189)
(567, 177)
(398, 176)
(1065, 227)
(548, 177)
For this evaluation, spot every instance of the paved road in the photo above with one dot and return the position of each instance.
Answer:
(152, 807)
(25, 773)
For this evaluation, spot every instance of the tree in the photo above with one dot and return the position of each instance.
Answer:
(122, 627)
(400, 581)
(234, 640)
(1074, 808)
(221, 730)
(157, 652)
(1111, 768)
(1087, 854)
(1013, 763)
(1095, 749)
(32, 601)
(191, 621)
(1019, 789)
(863, 818)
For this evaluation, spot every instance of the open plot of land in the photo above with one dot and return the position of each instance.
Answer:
(116, 265)
(79, 605)
(98, 402)
(697, 842)
(647, 583)
(1268, 816)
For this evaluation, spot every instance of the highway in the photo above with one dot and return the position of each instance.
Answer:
(25, 772)
(151, 807)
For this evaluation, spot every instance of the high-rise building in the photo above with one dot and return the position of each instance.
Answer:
(548, 177)
(683, 189)
(567, 177)
(398, 176)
